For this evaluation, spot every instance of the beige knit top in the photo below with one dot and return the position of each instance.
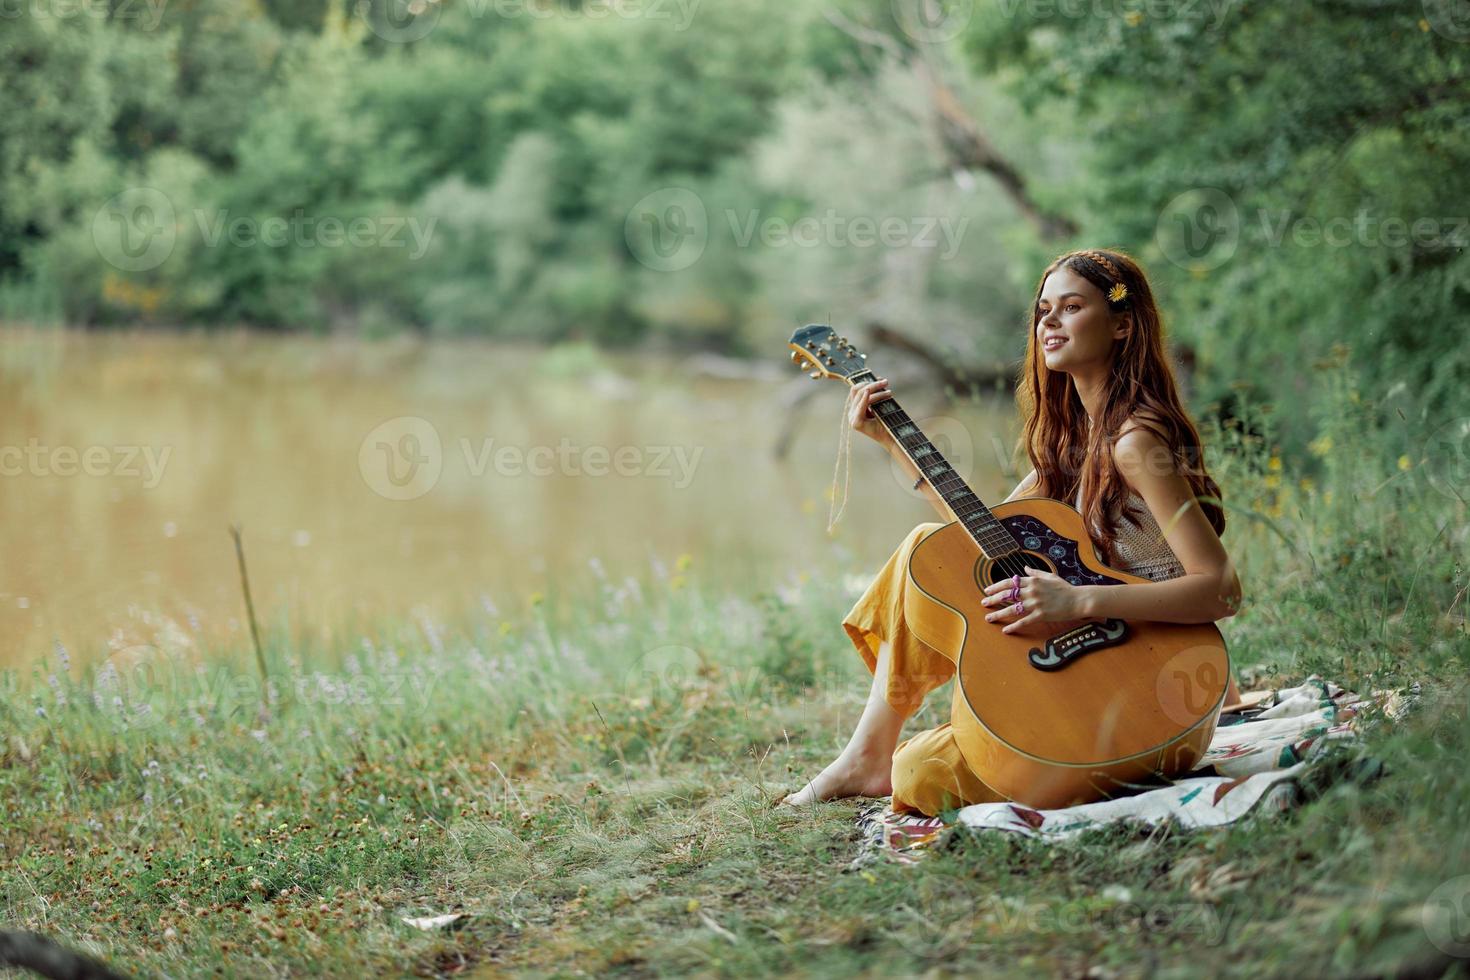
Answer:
(1142, 550)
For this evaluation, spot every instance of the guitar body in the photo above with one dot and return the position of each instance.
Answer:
(1063, 713)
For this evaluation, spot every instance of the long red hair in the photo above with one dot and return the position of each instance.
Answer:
(1056, 438)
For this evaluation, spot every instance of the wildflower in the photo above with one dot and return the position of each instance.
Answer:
(1274, 464)
(1320, 447)
(62, 656)
(1118, 293)
(1404, 463)
(1307, 485)
(1273, 480)
(536, 598)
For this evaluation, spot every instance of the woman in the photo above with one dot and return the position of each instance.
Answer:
(1105, 429)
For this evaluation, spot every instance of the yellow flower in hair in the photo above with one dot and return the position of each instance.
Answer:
(1118, 293)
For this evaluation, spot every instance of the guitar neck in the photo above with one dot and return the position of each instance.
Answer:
(988, 533)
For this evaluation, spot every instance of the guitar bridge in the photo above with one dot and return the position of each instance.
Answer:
(1065, 648)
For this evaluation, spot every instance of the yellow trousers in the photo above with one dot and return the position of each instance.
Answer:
(929, 774)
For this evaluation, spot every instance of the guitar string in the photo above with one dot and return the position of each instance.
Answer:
(990, 535)
(986, 536)
(844, 455)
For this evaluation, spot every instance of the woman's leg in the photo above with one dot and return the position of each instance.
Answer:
(865, 765)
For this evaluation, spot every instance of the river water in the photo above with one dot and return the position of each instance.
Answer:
(375, 480)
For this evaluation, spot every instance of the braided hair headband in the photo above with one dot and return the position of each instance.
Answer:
(1118, 292)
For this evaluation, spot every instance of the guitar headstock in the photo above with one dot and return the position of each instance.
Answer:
(817, 349)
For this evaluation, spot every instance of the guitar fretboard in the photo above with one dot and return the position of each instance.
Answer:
(989, 533)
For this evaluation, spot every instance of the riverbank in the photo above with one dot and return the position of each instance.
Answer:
(584, 779)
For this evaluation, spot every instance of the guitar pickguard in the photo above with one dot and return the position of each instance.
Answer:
(1060, 552)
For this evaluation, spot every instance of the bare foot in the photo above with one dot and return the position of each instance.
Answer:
(844, 777)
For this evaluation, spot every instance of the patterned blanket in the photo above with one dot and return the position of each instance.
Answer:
(1257, 759)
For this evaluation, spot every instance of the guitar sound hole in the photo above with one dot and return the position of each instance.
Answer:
(988, 572)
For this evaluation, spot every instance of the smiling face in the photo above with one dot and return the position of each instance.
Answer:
(1075, 312)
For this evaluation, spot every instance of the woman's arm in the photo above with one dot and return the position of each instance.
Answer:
(1209, 590)
(911, 473)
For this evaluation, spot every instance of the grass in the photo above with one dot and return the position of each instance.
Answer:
(587, 780)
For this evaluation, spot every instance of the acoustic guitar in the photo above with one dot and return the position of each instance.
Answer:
(1058, 713)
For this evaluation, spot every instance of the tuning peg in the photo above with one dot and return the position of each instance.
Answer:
(795, 357)
(815, 375)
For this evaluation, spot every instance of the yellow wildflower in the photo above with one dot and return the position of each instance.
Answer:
(1307, 485)
(1273, 480)
(683, 562)
(1404, 463)
(1321, 447)
(1118, 293)
(1274, 464)
(536, 598)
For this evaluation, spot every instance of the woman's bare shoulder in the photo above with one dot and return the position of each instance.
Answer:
(1143, 418)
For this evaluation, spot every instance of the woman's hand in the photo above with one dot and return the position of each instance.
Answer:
(860, 399)
(1045, 597)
